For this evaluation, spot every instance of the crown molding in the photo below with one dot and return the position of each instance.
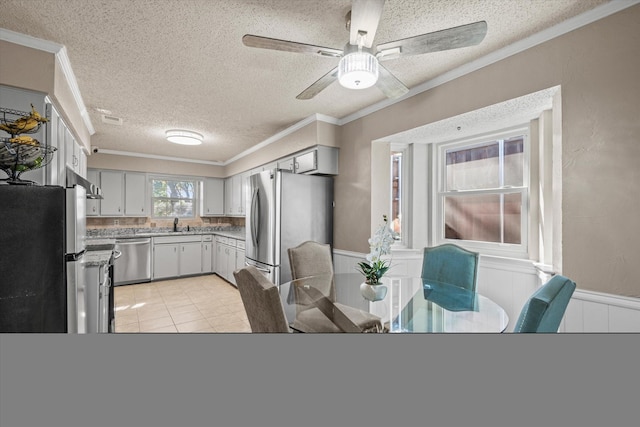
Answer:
(157, 157)
(593, 15)
(288, 131)
(61, 56)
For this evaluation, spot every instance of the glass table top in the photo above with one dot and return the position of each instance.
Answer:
(411, 304)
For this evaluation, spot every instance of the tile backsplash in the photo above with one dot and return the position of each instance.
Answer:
(146, 222)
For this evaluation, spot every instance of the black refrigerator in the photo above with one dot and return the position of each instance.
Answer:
(42, 238)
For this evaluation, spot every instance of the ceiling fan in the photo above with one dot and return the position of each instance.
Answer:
(360, 65)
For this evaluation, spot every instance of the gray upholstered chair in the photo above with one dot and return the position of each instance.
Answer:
(323, 313)
(544, 310)
(452, 265)
(310, 259)
(261, 301)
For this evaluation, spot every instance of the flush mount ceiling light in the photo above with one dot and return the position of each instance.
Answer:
(358, 70)
(184, 137)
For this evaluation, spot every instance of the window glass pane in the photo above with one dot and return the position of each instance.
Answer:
(512, 217)
(514, 161)
(396, 192)
(485, 218)
(172, 208)
(173, 189)
(173, 198)
(473, 168)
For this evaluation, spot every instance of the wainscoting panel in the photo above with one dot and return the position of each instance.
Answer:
(510, 282)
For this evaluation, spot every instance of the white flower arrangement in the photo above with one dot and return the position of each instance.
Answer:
(379, 244)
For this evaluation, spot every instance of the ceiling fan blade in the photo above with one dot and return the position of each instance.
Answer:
(451, 38)
(389, 84)
(365, 17)
(319, 85)
(288, 46)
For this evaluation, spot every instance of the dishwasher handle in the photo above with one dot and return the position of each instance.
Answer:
(133, 242)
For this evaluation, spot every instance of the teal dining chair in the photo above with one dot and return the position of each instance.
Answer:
(452, 265)
(544, 310)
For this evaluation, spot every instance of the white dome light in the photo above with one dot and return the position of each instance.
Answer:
(184, 137)
(358, 70)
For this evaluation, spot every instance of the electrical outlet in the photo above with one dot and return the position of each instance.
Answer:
(116, 222)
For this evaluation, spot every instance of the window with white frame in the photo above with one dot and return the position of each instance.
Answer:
(399, 193)
(174, 197)
(483, 193)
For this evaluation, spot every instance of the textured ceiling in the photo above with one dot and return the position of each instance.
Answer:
(163, 64)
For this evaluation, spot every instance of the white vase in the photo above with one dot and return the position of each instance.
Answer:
(373, 292)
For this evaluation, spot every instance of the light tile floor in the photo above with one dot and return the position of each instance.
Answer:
(195, 304)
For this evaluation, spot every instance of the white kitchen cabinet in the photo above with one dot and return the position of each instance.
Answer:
(207, 254)
(235, 188)
(190, 259)
(93, 205)
(244, 188)
(135, 194)
(320, 160)
(112, 185)
(213, 203)
(176, 256)
(165, 261)
(286, 164)
(228, 196)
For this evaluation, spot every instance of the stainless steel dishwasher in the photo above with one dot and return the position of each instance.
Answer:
(134, 266)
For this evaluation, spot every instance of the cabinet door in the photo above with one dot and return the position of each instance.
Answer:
(236, 188)
(244, 187)
(286, 164)
(111, 183)
(228, 196)
(165, 261)
(221, 261)
(93, 205)
(135, 194)
(206, 257)
(239, 258)
(190, 258)
(306, 162)
(231, 264)
(213, 196)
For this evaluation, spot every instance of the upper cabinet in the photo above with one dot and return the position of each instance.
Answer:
(213, 203)
(135, 194)
(112, 185)
(235, 194)
(93, 205)
(124, 193)
(319, 160)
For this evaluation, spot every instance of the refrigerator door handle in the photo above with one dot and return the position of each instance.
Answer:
(264, 270)
(255, 208)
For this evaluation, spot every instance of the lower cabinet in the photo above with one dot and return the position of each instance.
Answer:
(228, 258)
(207, 255)
(177, 256)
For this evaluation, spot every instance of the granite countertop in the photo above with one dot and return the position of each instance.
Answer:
(107, 235)
(97, 258)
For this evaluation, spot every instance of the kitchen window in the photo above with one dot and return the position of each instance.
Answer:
(483, 192)
(171, 198)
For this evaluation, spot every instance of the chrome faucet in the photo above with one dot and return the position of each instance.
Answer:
(175, 224)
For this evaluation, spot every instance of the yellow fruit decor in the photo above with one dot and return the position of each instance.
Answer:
(24, 124)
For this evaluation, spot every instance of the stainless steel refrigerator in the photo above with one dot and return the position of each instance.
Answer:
(42, 244)
(283, 210)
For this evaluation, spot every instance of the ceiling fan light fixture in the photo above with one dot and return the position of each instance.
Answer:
(184, 137)
(358, 70)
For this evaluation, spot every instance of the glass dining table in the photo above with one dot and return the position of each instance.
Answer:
(410, 305)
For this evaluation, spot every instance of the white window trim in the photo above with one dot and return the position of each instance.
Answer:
(438, 179)
(405, 199)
